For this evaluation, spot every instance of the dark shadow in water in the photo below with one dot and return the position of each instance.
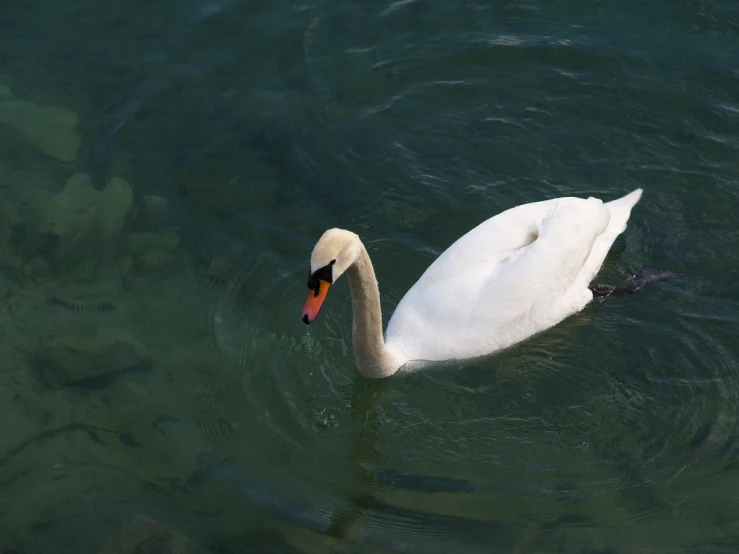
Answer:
(362, 521)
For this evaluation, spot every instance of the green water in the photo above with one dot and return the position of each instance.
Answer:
(152, 357)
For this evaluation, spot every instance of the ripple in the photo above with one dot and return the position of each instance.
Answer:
(582, 412)
(607, 411)
(544, 421)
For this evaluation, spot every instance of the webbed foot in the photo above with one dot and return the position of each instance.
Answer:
(641, 277)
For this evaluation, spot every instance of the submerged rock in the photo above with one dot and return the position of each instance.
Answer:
(146, 536)
(52, 130)
(141, 243)
(79, 360)
(5, 93)
(72, 212)
(115, 205)
(85, 223)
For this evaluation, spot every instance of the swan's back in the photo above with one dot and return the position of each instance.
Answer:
(512, 276)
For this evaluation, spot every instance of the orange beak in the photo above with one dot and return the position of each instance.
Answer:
(315, 300)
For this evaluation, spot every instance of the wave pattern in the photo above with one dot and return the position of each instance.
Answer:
(262, 124)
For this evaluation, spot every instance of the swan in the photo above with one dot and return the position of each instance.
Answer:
(514, 275)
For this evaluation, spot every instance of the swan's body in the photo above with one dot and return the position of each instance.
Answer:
(516, 274)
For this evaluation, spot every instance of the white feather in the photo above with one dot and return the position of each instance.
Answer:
(516, 274)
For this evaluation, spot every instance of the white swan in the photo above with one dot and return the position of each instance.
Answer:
(518, 273)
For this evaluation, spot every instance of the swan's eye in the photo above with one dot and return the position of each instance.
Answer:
(312, 281)
(323, 274)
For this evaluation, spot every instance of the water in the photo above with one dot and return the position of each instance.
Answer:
(153, 358)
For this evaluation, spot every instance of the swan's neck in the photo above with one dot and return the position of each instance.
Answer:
(373, 358)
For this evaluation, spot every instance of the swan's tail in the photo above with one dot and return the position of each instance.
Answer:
(620, 210)
(641, 277)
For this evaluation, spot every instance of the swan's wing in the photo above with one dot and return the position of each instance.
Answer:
(506, 280)
(489, 244)
(543, 272)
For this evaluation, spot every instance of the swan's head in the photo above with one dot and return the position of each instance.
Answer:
(334, 252)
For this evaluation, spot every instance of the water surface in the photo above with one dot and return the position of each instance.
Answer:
(244, 130)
